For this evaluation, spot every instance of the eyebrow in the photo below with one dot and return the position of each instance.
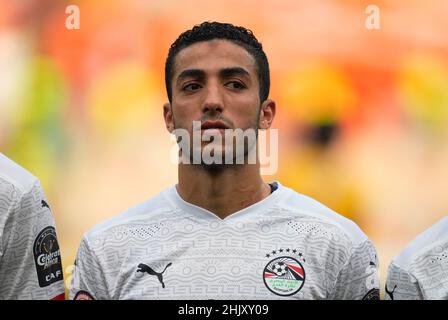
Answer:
(223, 73)
(234, 71)
(190, 73)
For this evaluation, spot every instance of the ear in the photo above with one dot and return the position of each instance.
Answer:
(267, 114)
(168, 116)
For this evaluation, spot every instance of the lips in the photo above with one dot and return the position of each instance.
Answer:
(213, 124)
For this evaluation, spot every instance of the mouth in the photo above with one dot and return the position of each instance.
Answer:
(213, 125)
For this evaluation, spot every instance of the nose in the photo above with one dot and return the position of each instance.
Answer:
(213, 102)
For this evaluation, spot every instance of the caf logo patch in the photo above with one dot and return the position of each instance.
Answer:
(47, 257)
(284, 276)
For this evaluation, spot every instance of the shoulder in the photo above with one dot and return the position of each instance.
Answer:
(151, 214)
(13, 175)
(423, 244)
(304, 208)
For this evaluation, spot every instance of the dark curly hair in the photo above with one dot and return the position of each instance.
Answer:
(215, 30)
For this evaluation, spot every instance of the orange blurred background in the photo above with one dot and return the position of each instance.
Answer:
(362, 114)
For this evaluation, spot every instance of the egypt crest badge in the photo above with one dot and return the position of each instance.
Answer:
(284, 275)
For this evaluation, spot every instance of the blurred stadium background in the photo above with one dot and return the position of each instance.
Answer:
(362, 114)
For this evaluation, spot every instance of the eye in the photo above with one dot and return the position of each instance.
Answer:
(191, 87)
(235, 85)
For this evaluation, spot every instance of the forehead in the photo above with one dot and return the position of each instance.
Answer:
(214, 54)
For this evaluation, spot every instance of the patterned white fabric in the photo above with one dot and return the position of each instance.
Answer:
(285, 246)
(30, 260)
(420, 272)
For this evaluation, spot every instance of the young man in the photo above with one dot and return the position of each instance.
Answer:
(420, 272)
(221, 232)
(30, 260)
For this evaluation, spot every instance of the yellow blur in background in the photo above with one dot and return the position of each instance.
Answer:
(362, 114)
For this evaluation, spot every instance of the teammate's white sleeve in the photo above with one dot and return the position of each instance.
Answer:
(88, 281)
(30, 260)
(359, 278)
(401, 285)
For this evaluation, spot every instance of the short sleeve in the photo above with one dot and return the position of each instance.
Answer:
(401, 285)
(358, 279)
(88, 281)
(31, 250)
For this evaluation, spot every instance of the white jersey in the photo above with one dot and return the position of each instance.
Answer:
(421, 270)
(30, 262)
(285, 246)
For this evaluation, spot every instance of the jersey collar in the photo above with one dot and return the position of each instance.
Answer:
(199, 212)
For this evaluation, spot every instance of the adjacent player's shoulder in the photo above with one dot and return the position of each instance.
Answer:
(429, 240)
(302, 207)
(13, 175)
(151, 213)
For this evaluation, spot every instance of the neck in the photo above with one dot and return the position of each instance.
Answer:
(222, 191)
